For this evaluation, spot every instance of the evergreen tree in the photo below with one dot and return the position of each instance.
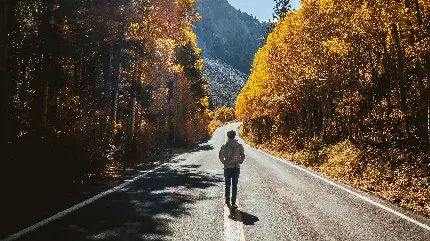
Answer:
(281, 8)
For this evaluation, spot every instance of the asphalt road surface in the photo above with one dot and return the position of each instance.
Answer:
(183, 200)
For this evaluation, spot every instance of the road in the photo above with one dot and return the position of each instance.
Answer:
(183, 200)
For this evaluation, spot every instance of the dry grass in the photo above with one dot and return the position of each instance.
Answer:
(381, 172)
(214, 124)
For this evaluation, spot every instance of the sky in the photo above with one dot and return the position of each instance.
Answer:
(262, 9)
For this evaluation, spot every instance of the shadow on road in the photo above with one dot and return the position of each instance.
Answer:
(141, 211)
(191, 166)
(244, 217)
(206, 147)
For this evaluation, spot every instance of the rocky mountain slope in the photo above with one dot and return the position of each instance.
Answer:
(229, 39)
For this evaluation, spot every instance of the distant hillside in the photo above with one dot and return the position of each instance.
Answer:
(228, 34)
(224, 82)
(229, 39)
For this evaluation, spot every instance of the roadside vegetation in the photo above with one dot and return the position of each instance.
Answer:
(221, 116)
(379, 171)
(95, 86)
(343, 87)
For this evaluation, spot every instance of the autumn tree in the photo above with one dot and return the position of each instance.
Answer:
(343, 69)
(92, 83)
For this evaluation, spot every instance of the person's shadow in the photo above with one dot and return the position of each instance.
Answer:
(241, 216)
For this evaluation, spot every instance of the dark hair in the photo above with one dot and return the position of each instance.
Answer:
(231, 134)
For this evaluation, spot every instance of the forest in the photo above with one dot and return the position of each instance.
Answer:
(344, 87)
(90, 87)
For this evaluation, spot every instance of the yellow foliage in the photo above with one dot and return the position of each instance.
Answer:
(224, 114)
(337, 46)
(344, 70)
(342, 160)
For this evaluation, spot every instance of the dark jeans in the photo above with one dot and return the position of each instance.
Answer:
(231, 175)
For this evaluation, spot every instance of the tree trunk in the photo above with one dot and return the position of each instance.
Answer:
(401, 77)
(93, 87)
(78, 76)
(40, 107)
(116, 80)
(4, 89)
(107, 80)
(308, 116)
(43, 75)
(418, 13)
(386, 81)
(320, 111)
(133, 116)
(428, 120)
(44, 98)
(323, 110)
(349, 92)
(269, 124)
(115, 103)
(330, 97)
(427, 97)
(45, 103)
(350, 122)
(133, 100)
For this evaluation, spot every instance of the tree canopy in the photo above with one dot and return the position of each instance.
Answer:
(344, 69)
(107, 81)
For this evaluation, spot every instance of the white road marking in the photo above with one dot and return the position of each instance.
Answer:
(401, 215)
(240, 232)
(80, 205)
(227, 229)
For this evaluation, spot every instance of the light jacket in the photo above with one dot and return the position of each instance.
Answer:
(238, 154)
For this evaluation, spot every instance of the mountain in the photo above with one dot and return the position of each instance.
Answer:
(224, 82)
(229, 39)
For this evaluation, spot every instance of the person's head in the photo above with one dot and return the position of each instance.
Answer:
(231, 134)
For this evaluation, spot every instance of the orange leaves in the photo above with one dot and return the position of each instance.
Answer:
(224, 114)
(165, 50)
(133, 29)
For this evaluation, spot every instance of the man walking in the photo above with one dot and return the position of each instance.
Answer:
(231, 155)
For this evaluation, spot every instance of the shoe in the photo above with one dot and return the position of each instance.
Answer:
(234, 206)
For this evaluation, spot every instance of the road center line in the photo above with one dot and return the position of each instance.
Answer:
(239, 222)
(401, 215)
(80, 205)
(227, 229)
